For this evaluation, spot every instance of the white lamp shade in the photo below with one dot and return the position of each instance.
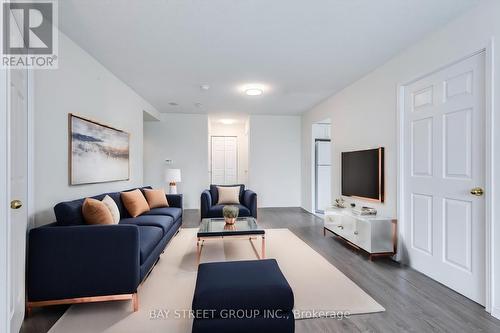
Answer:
(172, 175)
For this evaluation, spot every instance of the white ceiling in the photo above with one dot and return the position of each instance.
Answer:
(304, 50)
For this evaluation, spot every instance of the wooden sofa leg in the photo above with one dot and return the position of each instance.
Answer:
(28, 309)
(135, 302)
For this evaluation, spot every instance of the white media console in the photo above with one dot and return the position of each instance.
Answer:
(372, 233)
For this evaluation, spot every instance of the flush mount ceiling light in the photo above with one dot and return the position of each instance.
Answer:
(253, 89)
(254, 92)
(227, 121)
(205, 87)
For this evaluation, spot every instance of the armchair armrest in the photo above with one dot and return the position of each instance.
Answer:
(250, 201)
(205, 203)
(83, 260)
(174, 200)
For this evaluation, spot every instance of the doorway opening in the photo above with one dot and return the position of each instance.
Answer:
(228, 149)
(322, 167)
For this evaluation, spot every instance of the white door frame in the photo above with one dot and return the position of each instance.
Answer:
(489, 189)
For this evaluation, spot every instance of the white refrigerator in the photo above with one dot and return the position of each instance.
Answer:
(323, 175)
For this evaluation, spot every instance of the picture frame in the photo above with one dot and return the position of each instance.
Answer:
(97, 153)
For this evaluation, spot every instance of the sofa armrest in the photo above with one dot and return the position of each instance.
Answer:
(250, 201)
(174, 200)
(83, 260)
(205, 203)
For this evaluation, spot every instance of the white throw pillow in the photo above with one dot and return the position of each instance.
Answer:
(228, 195)
(113, 208)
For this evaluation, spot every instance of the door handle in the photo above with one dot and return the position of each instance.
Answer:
(16, 204)
(477, 191)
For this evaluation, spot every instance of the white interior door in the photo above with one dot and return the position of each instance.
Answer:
(18, 187)
(224, 166)
(444, 160)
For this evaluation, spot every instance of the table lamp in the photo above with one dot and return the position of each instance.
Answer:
(172, 177)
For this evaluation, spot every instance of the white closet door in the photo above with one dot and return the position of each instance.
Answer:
(231, 162)
(224, 160)
(444, 161)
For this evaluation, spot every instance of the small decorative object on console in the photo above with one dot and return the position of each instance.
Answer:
(340, 203)
(230, 214)
(364, 211)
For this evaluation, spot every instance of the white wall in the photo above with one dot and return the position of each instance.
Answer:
(274, 160)
(239, 130)
(82, 86)
(183, 139)
(364, 114)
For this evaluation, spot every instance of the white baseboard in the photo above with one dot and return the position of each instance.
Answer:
(495, 312)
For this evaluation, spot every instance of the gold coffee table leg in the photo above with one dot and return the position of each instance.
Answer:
(199, 246)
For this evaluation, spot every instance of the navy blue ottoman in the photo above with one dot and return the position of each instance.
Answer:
(242, 296)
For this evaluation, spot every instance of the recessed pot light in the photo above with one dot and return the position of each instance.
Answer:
(227, 121)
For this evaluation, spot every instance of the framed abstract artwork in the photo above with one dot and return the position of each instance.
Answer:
(97, 153)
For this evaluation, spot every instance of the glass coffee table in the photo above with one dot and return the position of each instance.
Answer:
(244, 227)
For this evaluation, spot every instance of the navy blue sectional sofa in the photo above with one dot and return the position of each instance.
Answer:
(210, 209)
(71, 262)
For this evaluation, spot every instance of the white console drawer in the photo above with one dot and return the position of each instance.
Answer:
(371, 233)
(342, 225)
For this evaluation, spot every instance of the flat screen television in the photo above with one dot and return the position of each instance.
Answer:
(363, 174)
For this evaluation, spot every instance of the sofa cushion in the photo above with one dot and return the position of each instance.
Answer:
(96, 212)
(228, 195)
(254, 284)
(215, 194)
(156, 198)
(113, 208)
(70, 212)
(149, 237)
(135, 202)
(160, 221)
(174, 212)
(216, 211)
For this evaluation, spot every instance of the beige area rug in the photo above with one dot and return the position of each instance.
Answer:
(317, 285)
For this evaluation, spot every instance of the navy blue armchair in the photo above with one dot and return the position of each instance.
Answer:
(210, 209)
(72, 262)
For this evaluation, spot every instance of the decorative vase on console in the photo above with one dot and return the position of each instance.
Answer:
(230, 214)
(339, 203)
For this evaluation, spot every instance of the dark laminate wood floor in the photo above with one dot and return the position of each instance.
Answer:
(413, 302)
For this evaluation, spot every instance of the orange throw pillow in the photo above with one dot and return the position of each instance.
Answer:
(156, 198)
(135, 202)
(96, 212)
